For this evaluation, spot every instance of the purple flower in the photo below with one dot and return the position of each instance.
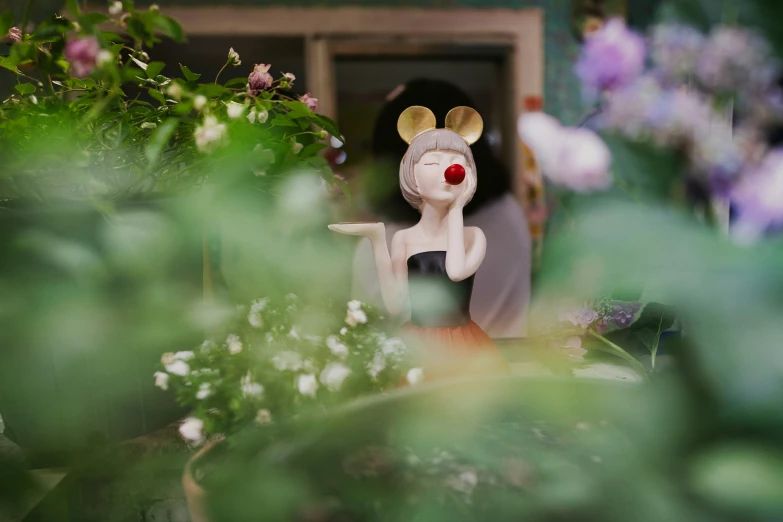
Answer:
(758, 197)
(260, 79)
(82, 54)
(309, 101)
(583, 316)
(611, 58)
(735, 59)
(14, 35)
(622, 314)
(675, 49)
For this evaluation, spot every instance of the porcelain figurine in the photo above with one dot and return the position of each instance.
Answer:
(432, 264)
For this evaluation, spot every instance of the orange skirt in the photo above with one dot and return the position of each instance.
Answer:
(456, 351)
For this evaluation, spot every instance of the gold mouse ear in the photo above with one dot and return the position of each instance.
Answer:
(466, 122)
(413, 121)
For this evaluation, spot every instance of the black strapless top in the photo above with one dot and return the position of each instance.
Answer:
(436, 300)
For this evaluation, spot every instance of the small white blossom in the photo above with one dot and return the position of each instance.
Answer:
(234, 344)
(180, 368)
(287, 361)
(393, 346)
(199, 102)
(162, 380)
(294, 334)
(115, 8)
(257, 116)
(149, 125)
(263, 417)
(250, 387)
(415, 376)
(355, 317)
(204, 391)
(234, 109)
(354, 305)
(167, 358)
(343, 330)
(210, 134)
(143, 56)
(259, 304)
(104, 58)
(184, 356)
(334, 374)
(233, 57)
(175, 91)
(259, 173)
(296, 146)
(307, 384)
(336, 347)
(193, 430)
(465, 482)
(290, 77)
(255, 320)
(33, 99)
(207, 346)
(377, 365)
(154, 8)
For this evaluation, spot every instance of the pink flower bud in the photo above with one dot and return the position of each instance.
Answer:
(259, 80)
(82, 54)
(14, 35)
(309, 101)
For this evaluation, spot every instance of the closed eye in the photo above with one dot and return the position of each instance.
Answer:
(431, 163)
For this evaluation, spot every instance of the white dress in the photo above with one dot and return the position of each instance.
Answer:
(501, 292)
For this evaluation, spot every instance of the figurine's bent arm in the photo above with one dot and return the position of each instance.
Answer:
(462, 262)
(392, 271)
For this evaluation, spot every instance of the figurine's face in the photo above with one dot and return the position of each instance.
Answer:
(431, 180)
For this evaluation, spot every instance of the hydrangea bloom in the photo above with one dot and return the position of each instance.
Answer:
(736, 59)
(611, 58)
(260, 79)
(758, 197)
(675, 50)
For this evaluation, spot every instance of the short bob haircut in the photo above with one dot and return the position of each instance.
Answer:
(430, 141)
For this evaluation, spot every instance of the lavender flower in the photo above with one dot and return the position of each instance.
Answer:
(675, 50)
(758, 197)
(583, 316)
(260, 79)
(735, 59)
(622, 313)
(628, 108)
(82, 54)
(611, 58)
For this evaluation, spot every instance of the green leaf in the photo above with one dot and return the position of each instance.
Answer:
(282, 121)
(312, 149)
(157, 95)
(170, 28)
(138, 31)
(111, 38)
(160, 137)
(6, 62)
(25, 88)
(236, 82)
(210, 90)
(298, 110)
(189, 75)
(154, 69)
(6, 22)
(643, 171)
(93, 19)
(328, 125)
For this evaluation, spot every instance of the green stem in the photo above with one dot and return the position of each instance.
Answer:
(221, 70)
(616, 350)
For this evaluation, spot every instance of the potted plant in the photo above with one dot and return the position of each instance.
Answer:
(109, 173)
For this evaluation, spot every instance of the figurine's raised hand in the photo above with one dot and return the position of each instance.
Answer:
(372, 230)
(468, 189)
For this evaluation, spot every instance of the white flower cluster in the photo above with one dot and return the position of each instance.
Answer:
(271, 361)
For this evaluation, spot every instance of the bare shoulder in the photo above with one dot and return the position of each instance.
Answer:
(399, 243)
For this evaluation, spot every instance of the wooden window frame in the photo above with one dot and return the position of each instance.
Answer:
(328, 31)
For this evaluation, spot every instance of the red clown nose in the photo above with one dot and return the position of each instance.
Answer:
(455, 174)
